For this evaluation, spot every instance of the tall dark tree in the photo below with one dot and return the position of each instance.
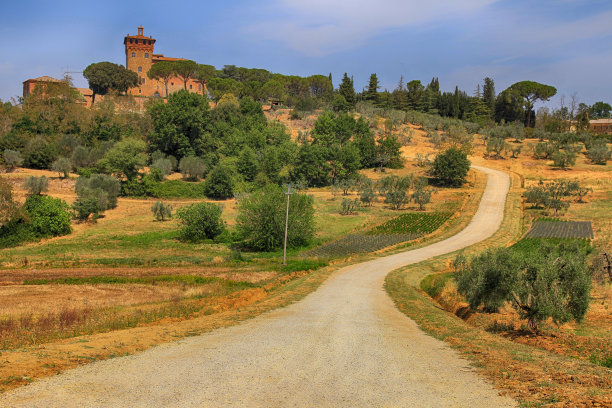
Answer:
(488, 94)
(347, 90)
(530, 92)
(371, 94)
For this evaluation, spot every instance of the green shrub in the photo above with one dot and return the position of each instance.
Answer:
(39, 154)
(200, 221)
(163, 165)
(62, 166)
(36, 185)
(450, 168)
(553, 282)
(12, 159)
(83, 207)
(599, 153)
(110, 185)
(261, 219)
(48, 216)
(350, 206)
(563, 159)
(192, 168)
(161, 211)
(219, 183)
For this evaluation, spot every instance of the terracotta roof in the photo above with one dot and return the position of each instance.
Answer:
(162, 58)
(43, 79)
(600, 121)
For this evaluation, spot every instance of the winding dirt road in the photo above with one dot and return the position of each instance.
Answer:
(344, 345)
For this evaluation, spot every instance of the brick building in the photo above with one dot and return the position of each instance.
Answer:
(140, 57)
(85, 98)
(601, 126)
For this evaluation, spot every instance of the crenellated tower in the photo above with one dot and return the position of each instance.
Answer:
(139, 58)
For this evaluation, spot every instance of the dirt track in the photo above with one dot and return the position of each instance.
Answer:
(344, 345)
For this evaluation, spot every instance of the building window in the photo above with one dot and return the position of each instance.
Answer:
(172, 83)
(133, 55)
(190, 86)
(143, 80)
(140, 91)
(199, 87)
(139, 69)
(131, 41)
(146, 55)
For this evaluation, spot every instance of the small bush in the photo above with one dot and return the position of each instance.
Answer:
(219, 183)
(200, 221)
(162, 211)
(12, 159)
(349, 206)
(563, 159)
(261, 219)
(192, 168)
(48, 216)
(163, 165)
(36, 185)
(62, 166)
(599, 153)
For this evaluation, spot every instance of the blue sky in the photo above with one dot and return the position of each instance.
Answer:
(564, 43)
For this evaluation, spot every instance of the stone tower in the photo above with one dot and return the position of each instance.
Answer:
(139, 58)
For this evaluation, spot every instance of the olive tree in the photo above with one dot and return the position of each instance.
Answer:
(552, 283)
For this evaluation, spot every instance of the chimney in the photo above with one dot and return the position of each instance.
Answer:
(140, 30)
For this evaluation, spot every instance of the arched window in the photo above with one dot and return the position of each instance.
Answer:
(146, 55)
(133, 55)
(139, 69)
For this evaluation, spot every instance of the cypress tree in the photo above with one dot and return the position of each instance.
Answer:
(347, 90)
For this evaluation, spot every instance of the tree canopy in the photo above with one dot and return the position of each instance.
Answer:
(104, 76)
(531, 92)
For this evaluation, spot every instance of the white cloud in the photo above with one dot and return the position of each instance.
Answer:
(319, 27)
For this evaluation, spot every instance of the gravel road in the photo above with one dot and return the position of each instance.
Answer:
(344, 345)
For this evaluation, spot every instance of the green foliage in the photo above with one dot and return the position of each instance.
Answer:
(347, 90)
(104, 76)
(200, 221)
(89, 204)
(48, 216)
(261, 219)
(8, 207)
(39, 153)
(365, 188)
(563, 159)
(176, 189)
(247, 164)
(110, 186)
(62, 166)
(219, 184)
(350, 206)
(421, 194)
(450, 167)
(125, 158)
(162, 211)
(36, 185)
(192, 168)
(553, 195)
(496, 145)
(164, 166)
(179, 125)
(598, 153)
(530, 92)
(12, 159)
(554, 283)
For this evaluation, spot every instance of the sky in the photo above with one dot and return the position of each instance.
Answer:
(563, 43)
